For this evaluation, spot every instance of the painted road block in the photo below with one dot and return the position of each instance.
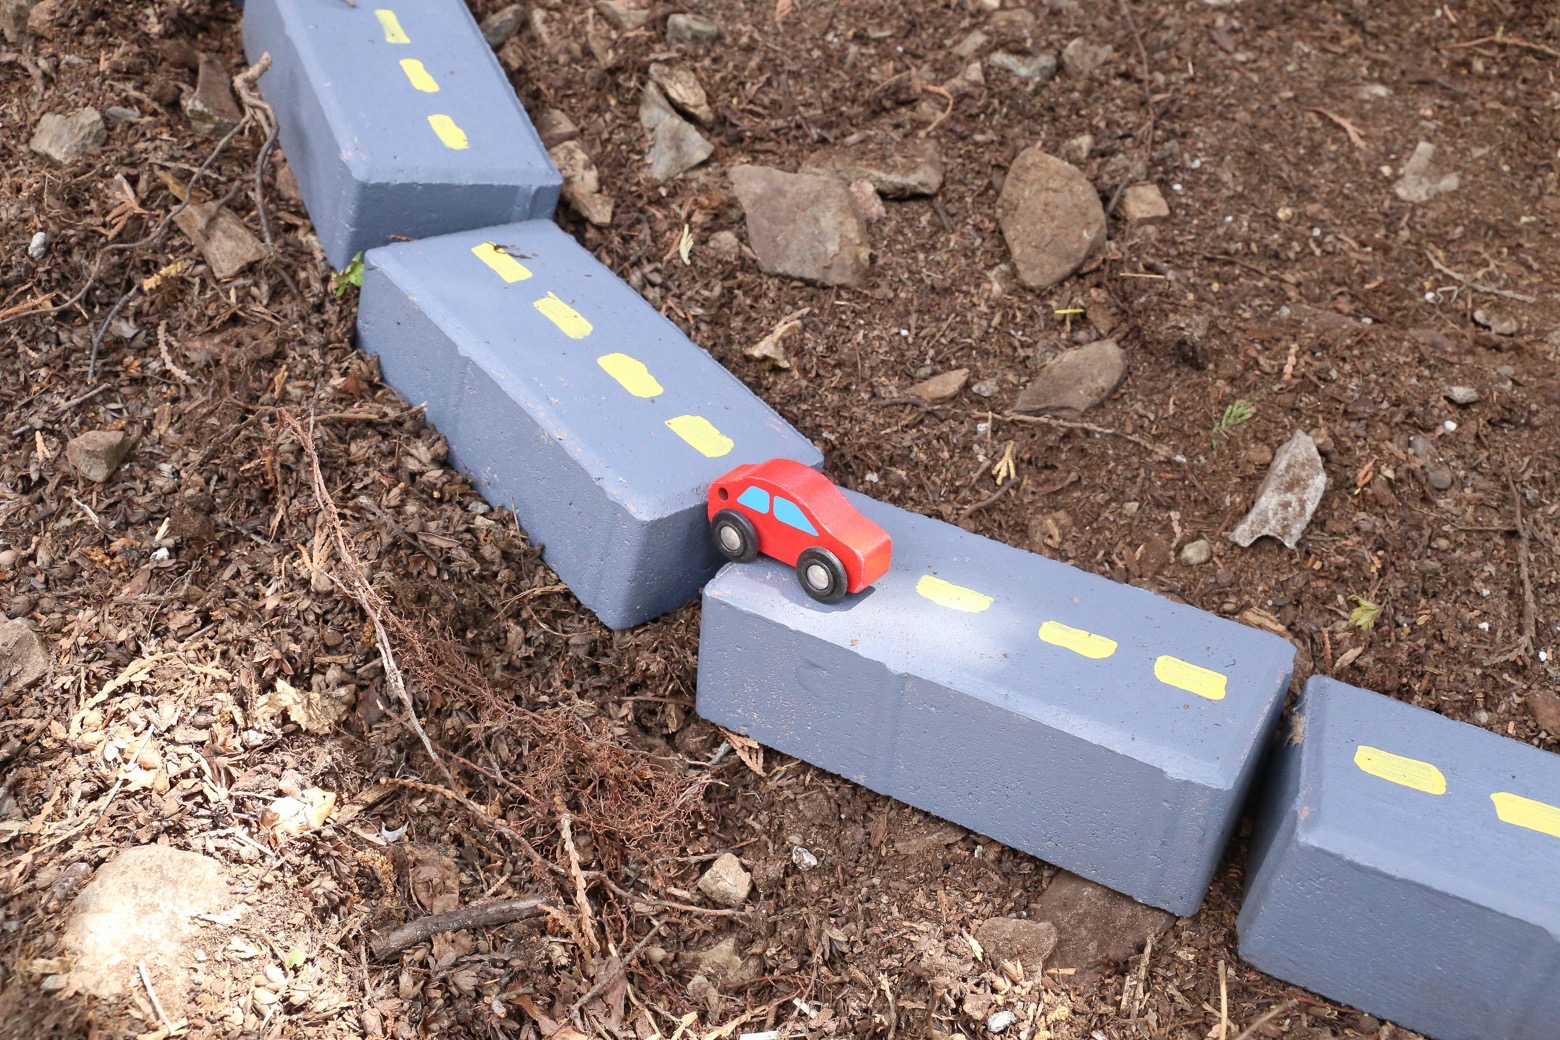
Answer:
(1091, 724)
(1409, 865)
(568, 398)
(397, 120)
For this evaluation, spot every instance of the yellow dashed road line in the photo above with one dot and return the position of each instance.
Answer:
(453, 136)
(1193, 678)
(632, 374)
(954, 597)
(392, 26)
(1405, 772)
(1085, 644)
(506, 266)
(1526, 812)
(420, 77)
(702, 434)
(571, 321)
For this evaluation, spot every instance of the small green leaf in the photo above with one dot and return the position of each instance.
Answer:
(1236, 413)
(351, 275)
(1363, 616)
(295, 959)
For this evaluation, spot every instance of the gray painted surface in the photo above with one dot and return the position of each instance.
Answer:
(355, 125)
(1427, 909)
(593, 472)
(1091, 763)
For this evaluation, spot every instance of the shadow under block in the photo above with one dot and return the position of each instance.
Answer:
(567, 398)
(1409, 865)
(397, 121)
(1093, 725)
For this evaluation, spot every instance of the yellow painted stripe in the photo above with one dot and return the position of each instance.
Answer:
(954, 597)
(391, 25)
(1406, 772)
(1077, 640)
(632, 374)
(1525, 812)
(701, 433)
(1193, 678)
(420, 77)
(452, 136)
(508, 268)
(571, 321)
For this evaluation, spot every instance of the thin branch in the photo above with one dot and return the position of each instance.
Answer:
(1073, 424)
(482, 915)
(1251, 1030)
(617, 969)
(1476, 286)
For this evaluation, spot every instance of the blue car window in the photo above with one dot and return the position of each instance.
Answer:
(756, 499)
(788, 513)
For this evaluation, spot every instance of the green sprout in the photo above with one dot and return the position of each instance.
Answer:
(1236, 413)
(1364, 614)
(351, 275)
(296, 959)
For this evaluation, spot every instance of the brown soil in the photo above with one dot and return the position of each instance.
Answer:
(1289, 276)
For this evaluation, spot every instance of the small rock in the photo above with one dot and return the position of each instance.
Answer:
(1195, 554)
(97, 453)
(721, 963)
(1142, 203)
(503, 23)
(985, 388)
(1015, 23)
(725, 244)
(23, 657)
(65, 139)
(868, 202)
(897, 169)
(726, 883)
(554, 128)
(1373, 92)
(1093, 923)
(1082, 59)
(1439, 475)
(1077, 149)
(802, 226)
(38, 248)
(803, 858)
(675, 147)
(1497, 322)
(691, 28)
(1051, 218)
(13, 19)
(210, 107)
(224, 240)
(120, 114)
(1545, 707)
(1016, 939)
(1289, 494)
(941, 387)
(1000, 1021)
(1421, 446)
(1075, 380)
(683, 89)
(1418, 184)
(1040, 67)
(622, 16)
(1462, 395)
(581, 183)
(971, 45)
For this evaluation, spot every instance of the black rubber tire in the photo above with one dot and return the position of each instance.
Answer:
(810, 562)
(742, 546)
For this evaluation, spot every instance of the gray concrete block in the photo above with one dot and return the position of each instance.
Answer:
(1409, 865)
(565, 396)
(1094, 725)
(397, 121)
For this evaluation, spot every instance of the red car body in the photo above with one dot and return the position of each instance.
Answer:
(794, 511)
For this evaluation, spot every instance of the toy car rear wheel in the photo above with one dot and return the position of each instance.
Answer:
(734, 536)
(822, 575)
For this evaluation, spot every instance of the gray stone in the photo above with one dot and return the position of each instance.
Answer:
(23, 657)
(1289, 494)
(622, 16)
(682, 88)
(1040, 67)
(1000, 1021)
(66, 139)
(1094, 924)
(1077, 149)
(1015, 939)
(120, 114)
(692, 28)
(1421, 446)
(1404, 864)
(222, 238)
(1439, 475)
(1195, 554)
(725, 882)
(675, 146)
(97, 453)
(971, 45)
(38, 246)
(803, 226)
(211, 107)
(138, 909)
(554, 128)
(897, 169)
(721, 963)
(1462, 395)
(581, 183)
(1142, 203)
(503, 23)
(1418, 183)
(1082, 59)
(941, 387)
(1051, 218)
(1075, 380)
(1498, 322)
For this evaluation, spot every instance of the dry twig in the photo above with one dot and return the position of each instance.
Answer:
(1439, 265)
(1073, 424)
(482, 915)
(1355, 137)
(1251, 1030)
(1506, 41)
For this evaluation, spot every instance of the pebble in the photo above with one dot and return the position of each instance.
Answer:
(897, 169)
(676, 146)
(692, 28)
(868, 202)
(1000, 1021)
(803, 858)
(23, 657)
(1439, 474)
(97, 453)
(555, 127)
(1497, 322)
(985, 388)
(1050, 216)
(1421, 446)
(1418, 184)
(581, 183)
(683, 89)
(622, 16)
(1195, 554)
(1041, 67)
(1462, 395)
(1142, 203)
(971, 45)
(1288, 496)
(941, 387)
(120, 114)
(65, 139)
(1077, 149)
(725, 882)
(1075, 380)
(503, 23)
(803, 226)
(39, 246)
(1082, 59)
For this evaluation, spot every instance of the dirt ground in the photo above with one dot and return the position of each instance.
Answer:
(212, 628)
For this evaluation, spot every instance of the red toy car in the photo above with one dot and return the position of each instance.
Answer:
(793, 513)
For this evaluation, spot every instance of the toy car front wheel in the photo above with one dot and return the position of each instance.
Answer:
(734, 536)
(822, 575)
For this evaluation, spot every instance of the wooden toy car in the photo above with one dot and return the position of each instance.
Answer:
(794, 514)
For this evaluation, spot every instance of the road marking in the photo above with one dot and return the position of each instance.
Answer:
(954, 597)
(420, 77)
(1406, 772)
(452, 136)
(1193, 678)
(391, 25)
(702, 434)
(507, 267)
(1525, 812)
(1086, 644)
(632, 374)
(571, 321)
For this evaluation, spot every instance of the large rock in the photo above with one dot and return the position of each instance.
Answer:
(23, 658)
(897, 169)
(1289, 494)
(675, 146)
(803, 226)
(1095, 924)
(1050, 216)
(97, 453)
(1075, 380)
(726, 882)
(66, 139)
